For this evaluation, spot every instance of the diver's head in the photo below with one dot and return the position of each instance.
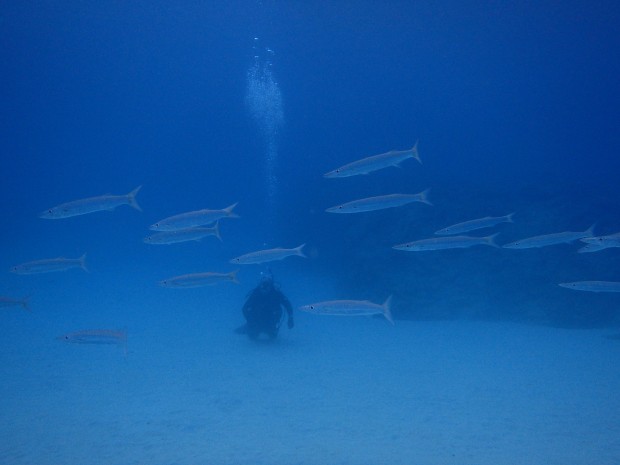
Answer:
(266, 283)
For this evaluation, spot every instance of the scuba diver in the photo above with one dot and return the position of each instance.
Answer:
(263, 310)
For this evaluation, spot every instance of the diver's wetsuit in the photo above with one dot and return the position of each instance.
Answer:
(263, 311)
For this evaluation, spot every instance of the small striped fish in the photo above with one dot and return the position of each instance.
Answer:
(380, 202)
(593, 286)
(350, 308)
(374, 163)
(472, 225)
(49, 265)
(193, 219)
(106, 202)
(268, 255)
(183, 235)
(208, 278)
(545, 240)
(594, 244)
(588, 248)
(97, 337)
(7, 302)
(448, 242)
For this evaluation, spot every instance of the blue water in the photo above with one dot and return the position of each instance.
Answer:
(515, 108)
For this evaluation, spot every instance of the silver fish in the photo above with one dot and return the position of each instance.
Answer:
(183, 235)
(374, 163)
(451, 242)
(6, 302)
(193, 219)
(49, 265)
(95, 336)
(613, 238)
(106, 202)
(200, 279)
(594, 244)
(549, 239)
(350, 308)
(593, 286)
(268, 255)
(472, 225)
(380, 202)
(588, 248)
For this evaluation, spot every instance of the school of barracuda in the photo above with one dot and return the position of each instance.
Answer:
(198, 224)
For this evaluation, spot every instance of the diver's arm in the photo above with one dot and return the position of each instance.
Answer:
(247, 306)
(289, 310)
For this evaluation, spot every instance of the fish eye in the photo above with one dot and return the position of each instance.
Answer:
(49, 211)
(311, 307)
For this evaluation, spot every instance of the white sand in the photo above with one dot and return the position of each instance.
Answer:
(332, 391)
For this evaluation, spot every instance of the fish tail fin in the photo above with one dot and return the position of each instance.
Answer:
(82, 260)
(299, 251)
(509, 217)
(26, 303)
(131, 198)
(414, 151)
(387, 312)
(590, 231)
(424, 197)
(490, 240)
(233, 276)
(229, 211)
(216, 230)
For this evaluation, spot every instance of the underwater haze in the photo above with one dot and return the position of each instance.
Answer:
(432, 185)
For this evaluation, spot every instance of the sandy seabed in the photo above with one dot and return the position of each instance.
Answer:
(333, 390)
